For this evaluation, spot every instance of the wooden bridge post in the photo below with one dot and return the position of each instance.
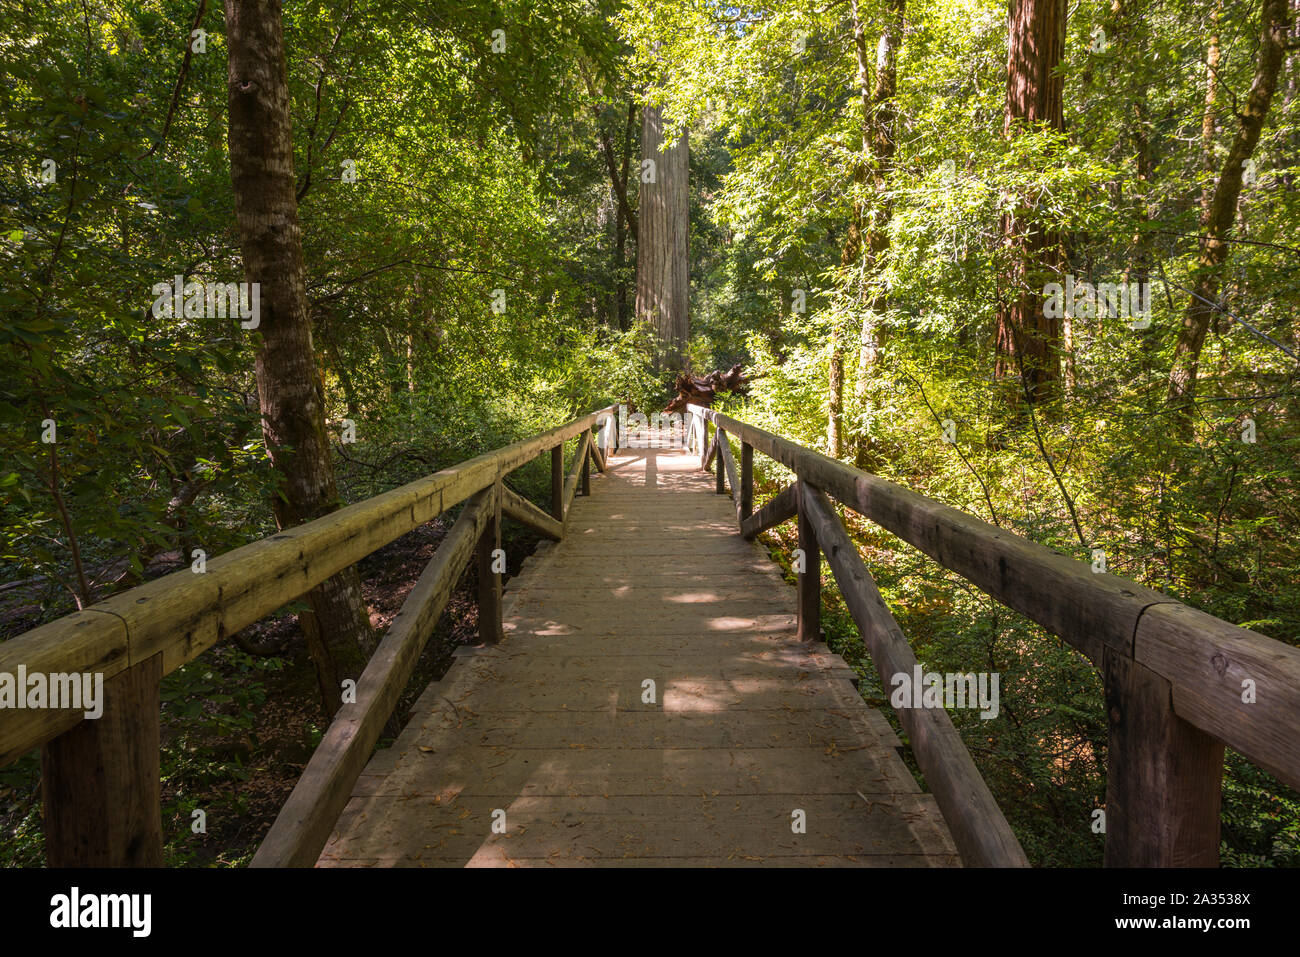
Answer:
(704, 445)
(557, 482)
(489, 580)
(100, 781)
(586, 465)
(604, 427)
(810, 579)
(720, 479)
(1163, 776)
(746, 480)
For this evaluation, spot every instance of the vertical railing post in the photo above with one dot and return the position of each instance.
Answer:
(489, 571)
(1163, 776)
(100, 780)
(557, 482)
(746, 480)
(704, 445)
(720, 479)
(810, 576)
(586, 464)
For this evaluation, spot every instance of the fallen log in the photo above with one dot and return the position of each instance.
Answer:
(701, 390)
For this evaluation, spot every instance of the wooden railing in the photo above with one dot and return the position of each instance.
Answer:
(1180, 684)
(100, 783)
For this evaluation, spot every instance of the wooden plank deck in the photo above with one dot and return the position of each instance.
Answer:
(651, 582)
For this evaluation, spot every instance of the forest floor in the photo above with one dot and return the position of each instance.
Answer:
(238, 728)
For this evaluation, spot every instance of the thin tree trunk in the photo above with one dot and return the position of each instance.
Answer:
(1028, 342)
(617, 183)
(835, 411)
(624, 308)
(291, 393)
(1209, 118)
(1218, 219)
(1291, 69)
(879, 119)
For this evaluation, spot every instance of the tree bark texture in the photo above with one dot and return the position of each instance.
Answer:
(663, 229)
(290, 388)
(1218, 217)
(1028, 342)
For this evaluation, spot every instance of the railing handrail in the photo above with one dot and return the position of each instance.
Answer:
(182, 614)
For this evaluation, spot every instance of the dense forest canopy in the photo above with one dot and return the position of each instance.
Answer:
(1038, 262)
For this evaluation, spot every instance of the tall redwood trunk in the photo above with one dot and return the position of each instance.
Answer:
(662, 249)
(835, 407)
(337, 626)
(1028, 342)
(1218, 217)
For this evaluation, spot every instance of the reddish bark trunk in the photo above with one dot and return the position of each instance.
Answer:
(1027, 341)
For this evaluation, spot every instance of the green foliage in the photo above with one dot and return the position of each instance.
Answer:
(481, 175)
(1211, 521)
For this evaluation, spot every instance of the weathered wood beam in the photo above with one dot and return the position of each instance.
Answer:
(524, 512)
(809, 589)
(307, 819)
(557, 482)
(1235, 684)
(607, 437)
(489, 579)
(1163, 777)
(780, 508)
(86, 642)
(719, 471)
(598, 456)
(575, 473)
(729, 466)
(746, 481)
(100, 781)
(707, 462)
(978, 827)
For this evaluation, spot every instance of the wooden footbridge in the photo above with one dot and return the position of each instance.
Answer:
(649, 691)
